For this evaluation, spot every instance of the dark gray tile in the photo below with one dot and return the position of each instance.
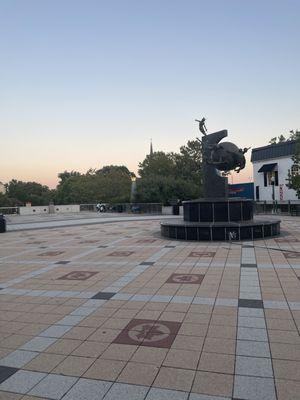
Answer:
(170, 247)
(147, 263)
(248, 265)
(103, 295)
(62, 262)
(6, 372)
(249, 303)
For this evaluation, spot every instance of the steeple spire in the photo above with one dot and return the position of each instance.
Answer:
(151, 148)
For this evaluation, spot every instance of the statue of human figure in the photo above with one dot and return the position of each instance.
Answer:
(202, 127)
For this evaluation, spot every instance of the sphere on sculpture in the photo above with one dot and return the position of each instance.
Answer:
(226, 156)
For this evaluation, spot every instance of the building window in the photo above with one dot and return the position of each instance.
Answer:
(276, 178)
(270, 176)
(265, 179)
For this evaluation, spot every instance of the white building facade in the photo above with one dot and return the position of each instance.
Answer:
(271, 166)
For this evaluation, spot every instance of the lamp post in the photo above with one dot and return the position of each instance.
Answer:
(273, 192)
(133, 189)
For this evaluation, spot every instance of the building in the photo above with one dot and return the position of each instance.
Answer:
(271, 165)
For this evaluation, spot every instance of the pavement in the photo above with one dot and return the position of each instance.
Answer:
(113, 311)
(42, 221)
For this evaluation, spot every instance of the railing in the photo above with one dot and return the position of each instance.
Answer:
(9, 210)
(136, 208)
(290, 207)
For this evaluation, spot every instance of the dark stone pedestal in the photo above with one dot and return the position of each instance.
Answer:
(218, 210)
(219, 219)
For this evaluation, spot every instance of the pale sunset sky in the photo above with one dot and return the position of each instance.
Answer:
(86, 83)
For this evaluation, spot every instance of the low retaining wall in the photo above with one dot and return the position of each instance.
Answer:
(52, 209)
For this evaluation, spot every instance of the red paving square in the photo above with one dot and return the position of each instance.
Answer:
(51, 253)
(202, 254)
(185, 278)
(120, 254)
(151, 333)
(78, 275)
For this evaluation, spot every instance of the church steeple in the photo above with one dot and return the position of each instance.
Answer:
(151, 148)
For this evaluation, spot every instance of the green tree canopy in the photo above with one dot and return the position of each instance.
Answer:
(166, 176)
(110, 184)
(33, 192)
(294, 174)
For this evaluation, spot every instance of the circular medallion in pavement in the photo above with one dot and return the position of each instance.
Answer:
(149, 333)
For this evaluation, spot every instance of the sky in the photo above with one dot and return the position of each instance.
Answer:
(87, 83)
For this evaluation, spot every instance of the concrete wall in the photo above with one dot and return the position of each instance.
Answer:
(45, 209)
(168, 210)
(67, 208)
(33, 210)
(282, 192)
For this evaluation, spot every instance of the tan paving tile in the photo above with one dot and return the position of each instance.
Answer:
(63, 346)
(187, 342)
(90, 349)
(44, 362)
(227, 332)
(149, 355)
(193, 329)
(9, 396)
(284, 369)
(213, 384)
(138, 373)
(223, 363)
(276, 336)
(285, 351)
(79, 332)
(73, 366)
(105, 369)
(185, 359)
(287, 390)
(281, 324)
(122, 352)
(217, 345)
(174, 378)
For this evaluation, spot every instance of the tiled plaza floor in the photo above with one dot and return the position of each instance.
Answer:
(113, 311)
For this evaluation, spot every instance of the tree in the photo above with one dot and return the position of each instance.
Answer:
(166, 176)
(279, 139)
(33, 192)
(63, 176)
(110, 184)
(294, 173)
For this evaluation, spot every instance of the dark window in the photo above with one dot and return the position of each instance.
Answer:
(276, 178)
(257, 192)
(265, 179)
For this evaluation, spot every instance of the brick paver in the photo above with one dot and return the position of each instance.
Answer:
(114, 311)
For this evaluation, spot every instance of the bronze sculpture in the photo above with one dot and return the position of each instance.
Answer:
(216, 216)
(202, 126)
(225, 156)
